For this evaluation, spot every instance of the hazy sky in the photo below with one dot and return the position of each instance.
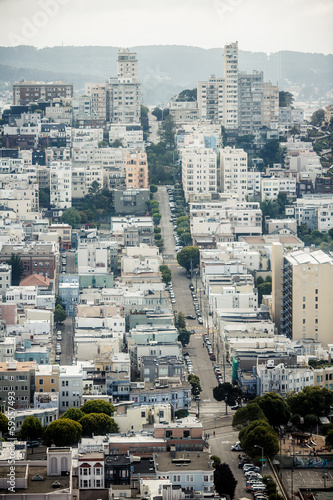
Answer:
(258, 25)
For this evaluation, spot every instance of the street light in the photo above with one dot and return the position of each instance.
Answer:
(262, 454)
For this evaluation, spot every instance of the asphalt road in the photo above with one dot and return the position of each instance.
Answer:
(212, 413)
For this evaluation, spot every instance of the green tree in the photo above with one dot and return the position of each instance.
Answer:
(71, 216)
(185, 256)
(275, 408)
(181, 413)
(166, 273)
(311, 400)
(271, 152)
(259, 433)
(31, 429)
(95, 189)
(318, 117)
(153, 188)
(264, 289)
(44, 198)
(180, 321)
(194, 381)
(226, 391)
(329, 439)
(295, 419)
(224, 480)
(167, 131)
(310, 421)
(286, 99)
(17, 268)
(216, 460)
(98, 406)
(98, 423)
(184, 336)
(63, 432)
(187, 95)
(3, 423)
(59, 315)
(116, 144)
(73, 414)
(247, 414)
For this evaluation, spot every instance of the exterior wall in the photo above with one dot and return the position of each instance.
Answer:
(323, 377)
(26, 92)
(199, 171)
(20, 378)
(250, 89)
(136, 169)
(234, 178)
(5, 278)
(307, 285)
(270, 112)
(61, 184)
(231, 86)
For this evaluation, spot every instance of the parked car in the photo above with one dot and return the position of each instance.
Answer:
(190, 316)
(32, 444)
(200, 321)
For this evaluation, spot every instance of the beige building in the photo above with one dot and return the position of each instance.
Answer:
(97, 94)
(127, 64)
(270, 106)
(302, 294)
(136, 169)
(323, 377)
(47, 378)
(230, 95)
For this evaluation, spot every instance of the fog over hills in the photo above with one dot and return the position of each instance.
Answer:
(166, 70)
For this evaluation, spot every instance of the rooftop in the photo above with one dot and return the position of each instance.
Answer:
(189, 460)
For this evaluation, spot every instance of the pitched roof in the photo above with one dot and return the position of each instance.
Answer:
(35, 280)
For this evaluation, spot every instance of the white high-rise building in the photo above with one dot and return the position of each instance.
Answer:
(127, 64)
(61, 184)
(199, 171)
(250, 88)
(234, 176)
(231, 86)
(210, 99)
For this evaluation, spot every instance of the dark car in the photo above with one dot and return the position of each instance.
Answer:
(192, 332)
(32, 444)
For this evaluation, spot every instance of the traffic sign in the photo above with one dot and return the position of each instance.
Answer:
(262, 459)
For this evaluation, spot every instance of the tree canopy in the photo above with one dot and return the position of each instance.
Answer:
(226, 391)
(73, 414)
(3, 423)
(224, 480)
(59, 314)
(71, 216)
(187, 95)
(167, 131)
(17, 268)
(166, 273)
(187, 254)
(184, 336)
(259, 433)
(98, 423)
(311, 400)
(98, 406)
(286, 99)
(247, 414)
(31, 428)
(318, 117)
(194, 380)
(62, 432)
(275, 408)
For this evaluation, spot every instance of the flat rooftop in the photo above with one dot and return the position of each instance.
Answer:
(189, 460)
(36, 487)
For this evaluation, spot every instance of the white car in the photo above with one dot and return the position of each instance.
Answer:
(236, 447)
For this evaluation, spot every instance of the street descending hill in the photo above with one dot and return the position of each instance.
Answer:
(166, 69)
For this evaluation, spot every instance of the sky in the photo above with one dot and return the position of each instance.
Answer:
(258, 25)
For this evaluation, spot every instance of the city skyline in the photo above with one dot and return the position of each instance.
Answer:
(298, 25)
